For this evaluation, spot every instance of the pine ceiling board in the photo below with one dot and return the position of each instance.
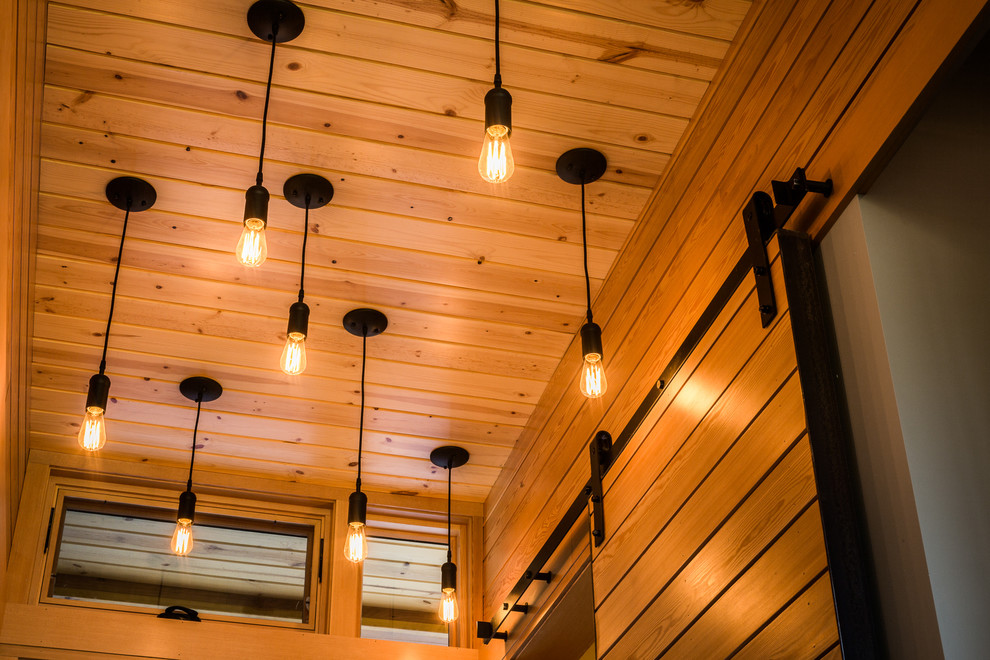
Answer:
(208, 565)
(62, 440)
(73, 232)
(191, 129)
(583, 35)
(718, 19)
(446, 53)
(486, 450)
(275, 549)
(362, 79)
(327, 425)
(301, 398)
(353, 224)
(363, 291)
(339, 223)
(327, 346)
(350, 190)
(483, 284)
(71, 274)
(194, 90)
(288, 452)
(112, 563)
(403, 569)
(208, 350)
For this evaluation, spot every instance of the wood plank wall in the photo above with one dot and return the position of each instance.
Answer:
(822, 84)
(714, 534)
(20, 121)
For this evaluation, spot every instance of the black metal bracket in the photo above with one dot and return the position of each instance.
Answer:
(516, 608)
(788, 194)
(542, 576)
(759, 221)
(763, 219)
(601, 459)
(486, 631)
(180, 612)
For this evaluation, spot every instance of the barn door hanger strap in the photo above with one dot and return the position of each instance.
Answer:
(601, 459)
(762, 219)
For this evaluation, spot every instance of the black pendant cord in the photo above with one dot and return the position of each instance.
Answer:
(302, 269)
(449, 477)
(498, 61)
(113, 291)
(264, 116)
(364, 356)
(192, 459)
(584, 243)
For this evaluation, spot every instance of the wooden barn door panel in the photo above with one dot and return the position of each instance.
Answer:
(716, 545)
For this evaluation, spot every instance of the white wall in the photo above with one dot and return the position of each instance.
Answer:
(921, 247)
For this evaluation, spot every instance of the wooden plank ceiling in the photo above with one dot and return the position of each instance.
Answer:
(482, 284)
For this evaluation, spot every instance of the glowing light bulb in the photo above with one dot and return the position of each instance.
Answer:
(448, 606)
(294, 354)
(495, 163)
(93, 430)
(593, 383)
(182, 537)
(356, 543)
(252, 247)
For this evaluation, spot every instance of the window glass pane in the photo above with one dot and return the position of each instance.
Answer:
(401, 593)
(240, 567)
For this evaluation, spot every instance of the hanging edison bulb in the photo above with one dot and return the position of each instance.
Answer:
(182, 537)
(198, 389)
(252, 246)
(448, 602)
(496, 164)
(362, 323)
(275, 22)
(448, 458)
(93, 431)
(356, 543)
(593, 383)
(294, 354)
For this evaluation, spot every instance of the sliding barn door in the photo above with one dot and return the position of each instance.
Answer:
(715, 545)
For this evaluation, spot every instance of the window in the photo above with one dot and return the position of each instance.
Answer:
(115, 553)
(401, 591)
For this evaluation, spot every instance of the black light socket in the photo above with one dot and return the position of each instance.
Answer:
(591, 339)
(299, 318)
(256, 203)
(448, 576)
(187, 506)
(498, 108)
(99, 391)
(357, 508)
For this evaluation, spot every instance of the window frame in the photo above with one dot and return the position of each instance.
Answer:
(405, 525)
(209, 504)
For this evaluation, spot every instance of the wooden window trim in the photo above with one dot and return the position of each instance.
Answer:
(430, 528)
(214, 508)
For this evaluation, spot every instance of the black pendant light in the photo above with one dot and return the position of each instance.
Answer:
(495, 163)
(363, 323)
(277, 21)
(582, 166)
(198, 389)
(448, 458)
(127, 194)
(306, 191)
